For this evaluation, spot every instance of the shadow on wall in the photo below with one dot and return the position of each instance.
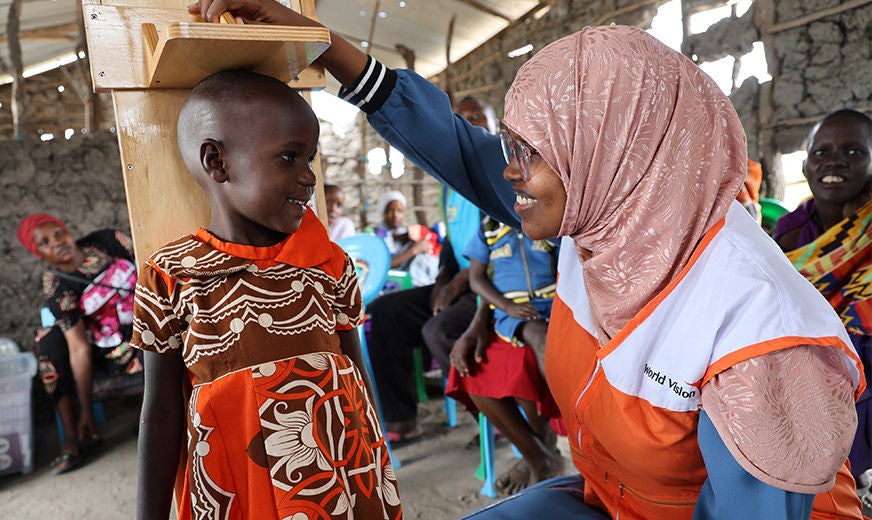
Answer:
(80, 182)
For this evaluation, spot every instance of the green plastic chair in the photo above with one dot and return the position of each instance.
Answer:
(771, 210)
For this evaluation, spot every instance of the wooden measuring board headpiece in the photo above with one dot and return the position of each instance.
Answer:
(177, 49)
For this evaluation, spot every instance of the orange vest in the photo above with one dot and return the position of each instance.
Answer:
(632, 405)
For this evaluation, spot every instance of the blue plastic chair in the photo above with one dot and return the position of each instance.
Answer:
(372, 261)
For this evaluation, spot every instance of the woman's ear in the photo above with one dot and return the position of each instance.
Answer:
(212, 159)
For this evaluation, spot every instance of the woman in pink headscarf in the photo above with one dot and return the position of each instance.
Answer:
(699, 375)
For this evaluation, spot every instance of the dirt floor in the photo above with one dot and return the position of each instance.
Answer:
(436, 473)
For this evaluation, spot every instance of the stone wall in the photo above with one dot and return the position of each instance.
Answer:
(821, 66)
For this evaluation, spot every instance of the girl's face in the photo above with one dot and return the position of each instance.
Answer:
(395, 214)
(268, 166)
(540, 199)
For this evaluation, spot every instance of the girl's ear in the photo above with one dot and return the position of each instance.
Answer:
(212, 159)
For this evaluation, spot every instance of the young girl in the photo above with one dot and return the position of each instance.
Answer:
(253, 322)
(501, 368)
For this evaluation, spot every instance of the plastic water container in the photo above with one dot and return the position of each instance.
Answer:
(16, 423)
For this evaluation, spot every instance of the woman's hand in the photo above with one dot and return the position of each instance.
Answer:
(444, 295)
(255, 11)
(475, 337)
(86, 428)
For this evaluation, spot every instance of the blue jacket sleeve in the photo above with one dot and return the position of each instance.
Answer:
(731, 493)
(417, 119)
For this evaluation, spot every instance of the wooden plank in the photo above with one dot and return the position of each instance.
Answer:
(188, 52)
(163, 201)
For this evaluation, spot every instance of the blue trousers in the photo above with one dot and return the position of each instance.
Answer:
(560, 497)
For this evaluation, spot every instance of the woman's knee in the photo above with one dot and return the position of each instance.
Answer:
(54, 364)
(560, 497)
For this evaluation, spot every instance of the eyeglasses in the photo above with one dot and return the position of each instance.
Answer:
(520, 151)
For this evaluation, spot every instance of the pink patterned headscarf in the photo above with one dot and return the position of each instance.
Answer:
(650, 151)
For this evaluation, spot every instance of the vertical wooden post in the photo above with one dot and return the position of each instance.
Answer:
(88, 97)
(362, 161)
(770, 156)
(16, 66)
(417, 175)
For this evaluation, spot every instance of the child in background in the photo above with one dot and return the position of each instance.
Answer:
(340, 225)
(252, 321)
(413, 248)
(515, 276)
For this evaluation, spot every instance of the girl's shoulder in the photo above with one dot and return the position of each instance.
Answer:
(188, 257)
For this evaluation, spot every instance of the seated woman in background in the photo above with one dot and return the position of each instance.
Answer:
(414, 248)
(89, 290)
(829, 240)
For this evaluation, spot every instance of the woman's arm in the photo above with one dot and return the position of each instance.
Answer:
(414, 249)
(162, 426)
(408, 111)
(731, 493)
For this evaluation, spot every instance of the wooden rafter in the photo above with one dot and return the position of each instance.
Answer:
(16, 66)
(64, 32)
(486, 9)
(418, 175)
(362, 163)
(805, 20)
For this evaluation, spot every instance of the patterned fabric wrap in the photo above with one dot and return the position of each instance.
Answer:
(649, 149)
(107, 302)
(839, 264)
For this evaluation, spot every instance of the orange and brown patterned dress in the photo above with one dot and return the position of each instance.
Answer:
(279, 421)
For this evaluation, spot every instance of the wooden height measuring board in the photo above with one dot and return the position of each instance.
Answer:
(149, 54)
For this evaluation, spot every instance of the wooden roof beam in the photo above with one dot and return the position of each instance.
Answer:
(486, 9)
(63, 32)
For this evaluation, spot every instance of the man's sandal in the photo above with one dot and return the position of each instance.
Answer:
(65, 462)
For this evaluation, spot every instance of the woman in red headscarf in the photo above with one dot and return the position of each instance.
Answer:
(89, 290)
